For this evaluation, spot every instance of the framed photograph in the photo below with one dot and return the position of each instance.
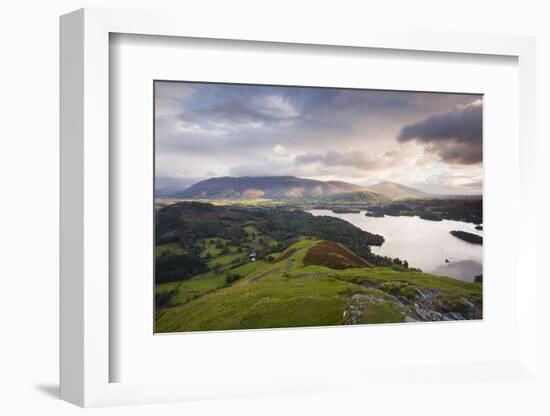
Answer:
(237, 210)
(285, 206)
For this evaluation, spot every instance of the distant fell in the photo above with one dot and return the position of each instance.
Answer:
(397, 191)
(272, 187)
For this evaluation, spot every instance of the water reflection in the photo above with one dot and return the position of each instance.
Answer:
(424, 244)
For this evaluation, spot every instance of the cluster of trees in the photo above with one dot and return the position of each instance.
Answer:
(396, 264)
(232, 278)
(171, 268)
(468, 210)
(186, 223)
(287, 225)
(163, 299)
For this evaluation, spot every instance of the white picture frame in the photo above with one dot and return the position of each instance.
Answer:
(85, 210)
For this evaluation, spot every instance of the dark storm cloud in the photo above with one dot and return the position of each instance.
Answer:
(455, 136)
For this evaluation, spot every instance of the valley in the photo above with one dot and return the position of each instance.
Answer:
(313, 283)
(238, 265)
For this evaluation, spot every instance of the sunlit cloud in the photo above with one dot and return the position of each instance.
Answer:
(428, 140)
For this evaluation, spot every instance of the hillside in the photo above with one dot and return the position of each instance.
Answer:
(272, 187)
(188, 226)
(312, 283)
(229, 267)
(358, 198)
(397, 191)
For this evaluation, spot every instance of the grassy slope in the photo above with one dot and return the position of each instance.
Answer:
(333, 255)
(203, 283)
(254, 237)
(287, 293)
(212, 280)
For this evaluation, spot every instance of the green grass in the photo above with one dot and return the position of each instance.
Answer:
(268, 303)
(286, 293)
(249, 230)
(256, 239)
(296, 253)
(226, 259)
(204, 283)
(247, 268)
(192, 288)
(382, 313)
(168, 248)
(380, 275)
(210, 246)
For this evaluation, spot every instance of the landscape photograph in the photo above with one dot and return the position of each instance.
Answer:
(293, 206)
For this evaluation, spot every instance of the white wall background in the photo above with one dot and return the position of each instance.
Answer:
(29, 183)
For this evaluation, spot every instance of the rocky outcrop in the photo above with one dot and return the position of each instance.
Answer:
(414, 303)
(357, 307)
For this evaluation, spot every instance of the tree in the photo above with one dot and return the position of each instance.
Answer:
(170, 268)
(230, 278)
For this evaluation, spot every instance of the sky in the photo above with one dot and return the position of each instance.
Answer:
(431, 141)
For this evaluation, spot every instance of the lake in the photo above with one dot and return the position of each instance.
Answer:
(423, 243)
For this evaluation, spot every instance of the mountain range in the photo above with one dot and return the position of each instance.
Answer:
(291, 187)
(397, 191)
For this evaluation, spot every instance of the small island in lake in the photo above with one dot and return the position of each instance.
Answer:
(346, 210)
(374, 214)
(468, 237)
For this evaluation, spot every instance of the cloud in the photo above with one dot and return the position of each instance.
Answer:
(170, 96)
(235, 108)
(207, 129)
(265, 167)
(456, 136)
(353, 159)
(280, 150)
(475, 186)
(174, 182)
(279, 105)
(236, 113)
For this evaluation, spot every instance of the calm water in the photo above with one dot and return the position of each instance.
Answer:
(425, 244)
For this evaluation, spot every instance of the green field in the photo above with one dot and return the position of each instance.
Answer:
(233, 267)
(203, 283)
(288, 293)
